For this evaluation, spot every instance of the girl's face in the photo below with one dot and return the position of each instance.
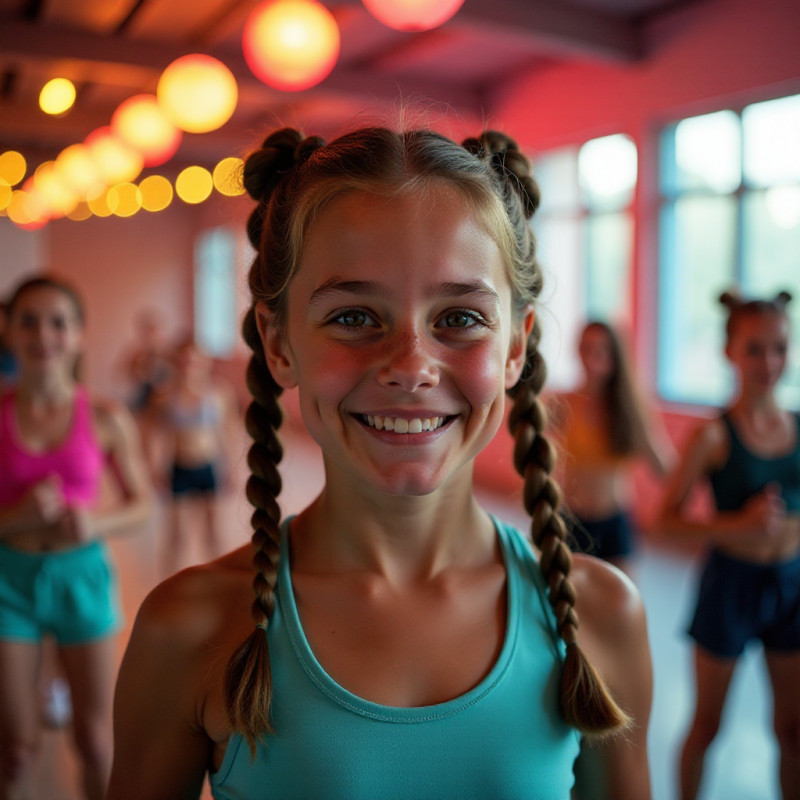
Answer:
(596, 354)
(758, 348)
(400, 337)
(45, 332)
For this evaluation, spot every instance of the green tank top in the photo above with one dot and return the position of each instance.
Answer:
(502, 739)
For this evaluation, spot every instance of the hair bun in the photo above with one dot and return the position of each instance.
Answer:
(265, 168)
(730, 299)
(510, 164)
(782, 299)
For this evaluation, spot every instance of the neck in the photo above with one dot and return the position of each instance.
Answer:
(758, 402)
(401, 539)
(50, 389)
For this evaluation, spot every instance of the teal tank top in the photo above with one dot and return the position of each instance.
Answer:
(744, 473)
(502, 739)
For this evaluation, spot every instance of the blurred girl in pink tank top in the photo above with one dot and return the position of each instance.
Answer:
(56, 578)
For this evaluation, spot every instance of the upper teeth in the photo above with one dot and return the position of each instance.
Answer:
(401, 425)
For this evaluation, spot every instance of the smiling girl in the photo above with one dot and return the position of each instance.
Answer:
(56, 578)
(400, 642)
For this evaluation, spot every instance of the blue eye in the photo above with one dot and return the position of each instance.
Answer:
(460, 318)
(354, 318)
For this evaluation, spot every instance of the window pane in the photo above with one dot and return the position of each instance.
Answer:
(702, 153)
(561, 310)
(771, 243)
(557, 176)
(609, 242)
(607, 171)
(772, 141)
(215, 292)
(697, 256)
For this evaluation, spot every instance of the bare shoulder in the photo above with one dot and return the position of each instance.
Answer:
(201, 605)
(111, 418)
(609, 605)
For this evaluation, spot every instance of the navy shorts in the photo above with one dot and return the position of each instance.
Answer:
(611, 537)
(194, 480)
(742, 600)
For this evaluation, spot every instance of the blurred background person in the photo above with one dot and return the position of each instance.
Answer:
(190, 429)
(59, 447)
(603, 428)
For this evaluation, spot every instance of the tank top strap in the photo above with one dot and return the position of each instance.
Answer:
(6, 407)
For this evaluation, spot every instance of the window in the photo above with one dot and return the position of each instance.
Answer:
(584, 231)
(730, 216)
(215, 295)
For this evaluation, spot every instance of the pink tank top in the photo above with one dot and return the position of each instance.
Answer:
(78, 460)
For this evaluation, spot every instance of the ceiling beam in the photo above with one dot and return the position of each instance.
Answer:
(49, 42)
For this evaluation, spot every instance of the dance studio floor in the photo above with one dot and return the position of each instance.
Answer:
(742, 764)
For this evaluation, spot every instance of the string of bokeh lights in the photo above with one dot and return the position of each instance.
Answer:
(290, 45)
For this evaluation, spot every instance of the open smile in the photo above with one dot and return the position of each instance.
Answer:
(403, 425)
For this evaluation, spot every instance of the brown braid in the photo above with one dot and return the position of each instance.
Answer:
(585, 701)
(248, 675)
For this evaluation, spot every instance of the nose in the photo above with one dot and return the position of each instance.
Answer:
(408, 362)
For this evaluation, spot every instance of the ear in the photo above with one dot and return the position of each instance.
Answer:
(276, 348)
(518, 348)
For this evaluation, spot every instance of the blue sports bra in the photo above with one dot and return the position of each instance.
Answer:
(502, 739)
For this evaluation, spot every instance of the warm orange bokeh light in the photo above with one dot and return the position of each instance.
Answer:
(12, 167)
(57, 96)
(141, 124)
(114, 159)
(412, 15)
(55, 192)
(227, 176)
(291, 44)
(194, 184)
(78, 169)
(156, 193)
(197, 93)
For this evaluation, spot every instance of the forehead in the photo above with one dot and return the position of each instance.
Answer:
(755, 325)
(46, 299)
(419, 233)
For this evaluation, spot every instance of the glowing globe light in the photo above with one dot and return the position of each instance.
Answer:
(141, 124)
(197, 93)
(291, 44)
(124, 199)
(78, 169)
(57, 96)
(26, 210)
(115, 161)
(412, 15)
(80, 212)
(12, 167)
(227, 177)
(5, 195)
(156, 193)
(97, 200)
(194, 184)
(59, 197)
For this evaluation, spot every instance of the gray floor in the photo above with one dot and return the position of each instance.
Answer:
(742, 764)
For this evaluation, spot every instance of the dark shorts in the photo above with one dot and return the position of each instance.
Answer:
(195, 480)
(611, 537)
(741, 600)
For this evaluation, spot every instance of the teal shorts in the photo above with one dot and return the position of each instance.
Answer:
(71, 595)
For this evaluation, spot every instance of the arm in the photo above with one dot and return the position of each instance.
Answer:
(761, 514)
(613, 634)
(655, 445)
(119, 437)
(161, 749)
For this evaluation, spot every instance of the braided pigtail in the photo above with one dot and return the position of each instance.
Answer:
(248, 675)
(585, 701)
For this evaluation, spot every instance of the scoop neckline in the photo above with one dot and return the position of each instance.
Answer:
(377, 711)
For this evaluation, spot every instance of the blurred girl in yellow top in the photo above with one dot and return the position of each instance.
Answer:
(603, 429)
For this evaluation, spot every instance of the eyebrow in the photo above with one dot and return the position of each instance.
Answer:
(335, 286)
